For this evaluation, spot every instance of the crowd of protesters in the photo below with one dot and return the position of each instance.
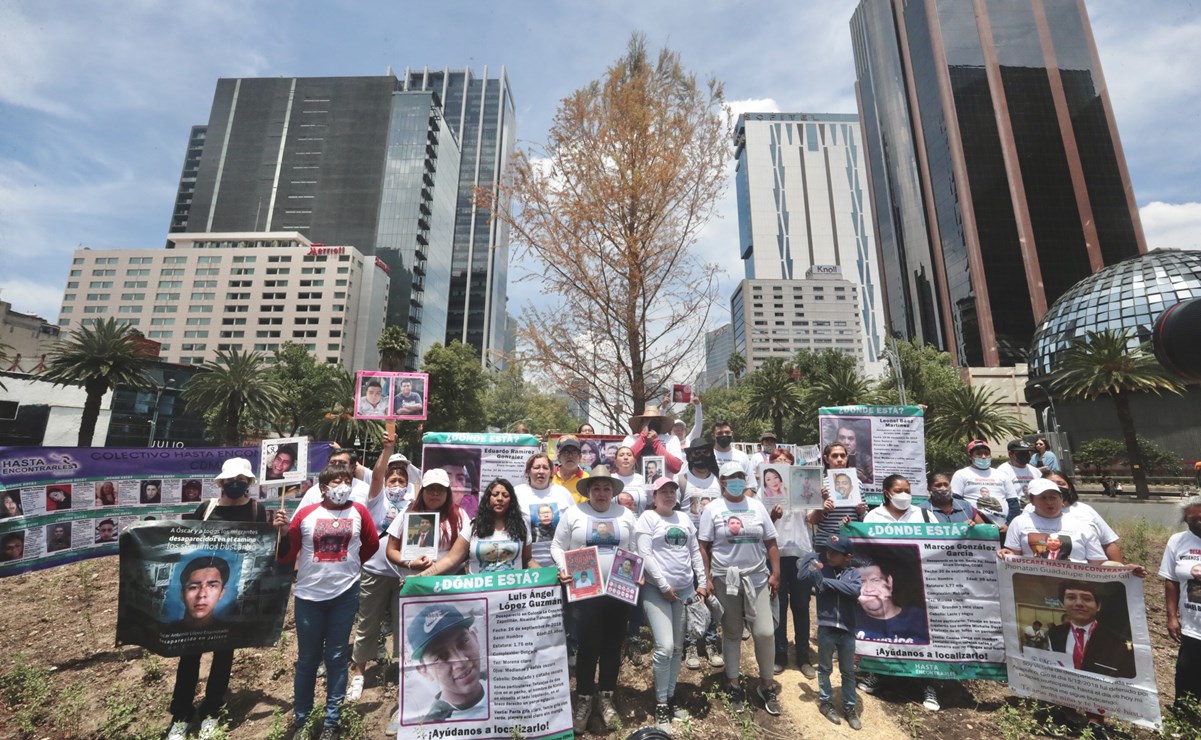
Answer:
(709, 545)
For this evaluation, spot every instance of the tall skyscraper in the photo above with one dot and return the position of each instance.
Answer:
(481, 113)
(802, 202)
(354, 161)
(997, 176)
(719, 345)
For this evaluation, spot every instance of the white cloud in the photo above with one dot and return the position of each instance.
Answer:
(1172, 225)
(27, 296)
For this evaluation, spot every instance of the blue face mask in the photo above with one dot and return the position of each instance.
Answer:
(735, 487)
(235, 488)
(982, 463)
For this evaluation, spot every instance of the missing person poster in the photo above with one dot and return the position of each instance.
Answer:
(583, 566)
(1076, 635)
(381, 395)
(484, 656)
(420, 536)
(471, 460)
(625, 576)
(283, 461)
(843, 486)
(774, 481)
(193, 586)
(928, 600)
(805, 487)
(63, 504)
(880, 441)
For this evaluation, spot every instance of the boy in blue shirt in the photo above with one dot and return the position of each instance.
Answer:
(837, 587)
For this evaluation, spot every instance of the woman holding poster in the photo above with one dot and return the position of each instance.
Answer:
(498, 538)
(898, 504)
(1181, 571)
(742, 561)
(601, 522)
(542, 501)
(667, 541)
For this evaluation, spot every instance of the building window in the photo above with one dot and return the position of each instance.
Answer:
(173, 272)
(162, 322)
(199, 322)
(175, 260)
(204, 284)
(170, 284)
(166, 309)
(200, 309)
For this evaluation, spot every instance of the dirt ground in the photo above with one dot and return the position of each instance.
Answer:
(61, 677)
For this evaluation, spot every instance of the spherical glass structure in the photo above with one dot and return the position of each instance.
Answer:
(1129, 295)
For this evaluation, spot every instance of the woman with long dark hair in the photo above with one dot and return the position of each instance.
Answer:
(498, 538)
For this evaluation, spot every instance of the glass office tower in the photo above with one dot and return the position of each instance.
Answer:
(996, 171)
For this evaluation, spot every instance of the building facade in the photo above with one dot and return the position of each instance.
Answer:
(719, 345)
(778, 318)
(481, 113)
(187, 181)
(803, 201)
(244, 291)
(997, 176)
(29, 338)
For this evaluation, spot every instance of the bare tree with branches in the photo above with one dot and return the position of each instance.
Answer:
(610, 210)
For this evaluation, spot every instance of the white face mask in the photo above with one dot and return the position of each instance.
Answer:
(338, 495)
(901, 501)
(394, 494)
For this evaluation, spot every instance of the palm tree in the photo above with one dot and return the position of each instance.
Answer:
(237, 383)
(842, 387)
(736, 364)
(99, 357)
(965, 412)
(393, 345)
(1102, 363)
(772, 392)
(336, 420)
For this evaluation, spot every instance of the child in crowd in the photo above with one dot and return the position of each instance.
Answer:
(837, 587)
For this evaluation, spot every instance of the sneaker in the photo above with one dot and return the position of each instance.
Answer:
(692, 661)
(1098, 731)
(678, 712)
(829, 712)
(771, 701)
(300, 730)
(581, 714)
(777, 669)
(808, 671)
(321, 669)
(715, 659)
(736, 696)
(608, 711)
(571, 659)
(328, 733)
(868, 683)
(746, 634)
(178, 731)
(393, 724)
(209, 729)
(355, 691)
(663, 717)
(930, 699)
(853, 720)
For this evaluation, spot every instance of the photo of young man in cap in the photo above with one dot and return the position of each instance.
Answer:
(445, 650)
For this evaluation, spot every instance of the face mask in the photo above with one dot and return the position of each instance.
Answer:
(901, 501)
(697, 462)
(1195, 528)
(940, 496)
(338, 495)
(725, 441)
(394, 493)
(735, 487)
(982, 463)
(235, 488)
(1023, 458)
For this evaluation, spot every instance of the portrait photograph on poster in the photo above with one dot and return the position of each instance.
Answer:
(892, 595)
(284, 460)
(855, 434)
(774, 481)
(624, 575)
(1051, 609)
(651, 467)
(805, 487)
(373, 397)
(409, 395)
(843, 485)
(681, 393)
(444, 663)
(420, 536)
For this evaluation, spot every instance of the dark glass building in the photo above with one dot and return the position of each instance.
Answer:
(187, 181)
(480, 111)
(996, 172)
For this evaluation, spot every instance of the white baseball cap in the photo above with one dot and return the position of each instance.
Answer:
(729, 469)
(435, 477)
(235, 466)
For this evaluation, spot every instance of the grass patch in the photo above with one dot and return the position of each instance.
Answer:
(26, 690)
(1142, 541)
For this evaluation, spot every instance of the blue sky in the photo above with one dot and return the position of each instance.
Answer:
(96, 99)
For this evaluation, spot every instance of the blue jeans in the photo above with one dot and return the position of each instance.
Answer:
(666, 619)
(794, 596)
(829, 641)
(323, 630)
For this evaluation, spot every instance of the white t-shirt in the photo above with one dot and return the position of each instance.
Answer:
(741, 458)
(1076, 537)
(534, 504)
(359, 491)
(1182, 564)
(635, 485)
(971, 483)
(738, 532)
(1104, 532)
(698, 491)
(328, 545)
(881, 515)
(1019, 478)
(384, 511)
(444, 542)
(583, 526)
(671, 552)
(496, 552)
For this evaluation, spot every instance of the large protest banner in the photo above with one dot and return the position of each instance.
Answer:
(194, 586)
(880, 441)
(484, 656)
(63, 504)
(928, 605)
(1047, 606)
(471, 460)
